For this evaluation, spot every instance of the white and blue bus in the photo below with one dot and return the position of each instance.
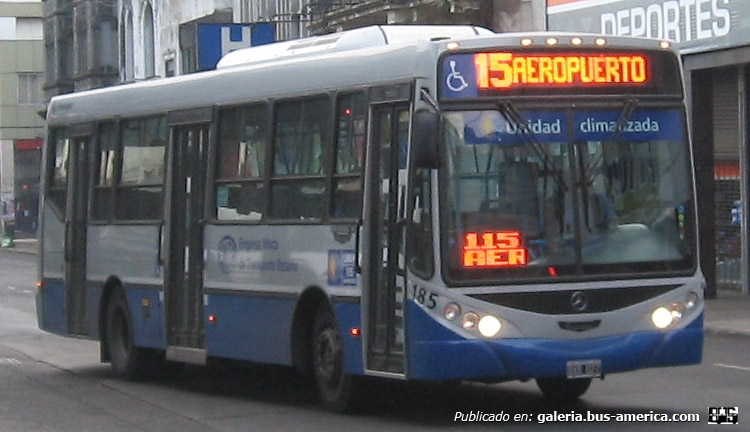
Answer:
(429, 203)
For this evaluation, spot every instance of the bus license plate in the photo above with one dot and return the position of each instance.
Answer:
(584, 368)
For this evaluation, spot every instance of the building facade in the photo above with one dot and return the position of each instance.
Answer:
(327, 16)
(714, 39)
(21, 99)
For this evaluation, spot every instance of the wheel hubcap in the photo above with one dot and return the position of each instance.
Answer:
(327, 354)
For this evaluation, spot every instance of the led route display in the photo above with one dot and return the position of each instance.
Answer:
(504, 69)
(494, 249)
(530, 72)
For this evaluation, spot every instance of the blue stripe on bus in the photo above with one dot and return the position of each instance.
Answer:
(148, 322)
(262, 336)
(437, 353)
(50, 304)
(250, 327)
(348, 316)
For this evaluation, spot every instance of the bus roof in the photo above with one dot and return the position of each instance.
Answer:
(369, 56)
(364, 37)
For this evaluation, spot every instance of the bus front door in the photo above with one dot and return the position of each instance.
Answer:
(76, 222)
(182, 242)
(384, 273)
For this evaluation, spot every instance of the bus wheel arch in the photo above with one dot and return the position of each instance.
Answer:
(317, 350)
(302, 327)
(117, 338)
(110, 286)
(338, 390)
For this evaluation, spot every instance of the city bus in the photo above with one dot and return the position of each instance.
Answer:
(433, 203)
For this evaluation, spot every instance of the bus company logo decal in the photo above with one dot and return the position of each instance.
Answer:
(227, 256)
(579, 301)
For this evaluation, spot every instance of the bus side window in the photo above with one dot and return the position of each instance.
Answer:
(104, 178)
(301, 134)
(57, 183)
(419, 244)
(140, 190)
(349, 156)
(243, 142)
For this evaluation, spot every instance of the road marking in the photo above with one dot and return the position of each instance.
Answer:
(12, 288)
(10, 361)
(727, 366)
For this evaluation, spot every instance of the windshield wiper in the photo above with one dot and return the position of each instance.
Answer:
(512, 116)
(625, 113)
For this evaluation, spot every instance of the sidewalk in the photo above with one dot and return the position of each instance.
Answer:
(728, 314)
(23, 245)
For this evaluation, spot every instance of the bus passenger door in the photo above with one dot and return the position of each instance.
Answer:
(76, 220)
(182, 242)
(384, 270)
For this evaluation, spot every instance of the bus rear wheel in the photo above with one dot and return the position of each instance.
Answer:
(563, 389)
(127, 360)
(333, 383)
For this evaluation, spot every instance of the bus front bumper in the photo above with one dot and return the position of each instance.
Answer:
(444, 355)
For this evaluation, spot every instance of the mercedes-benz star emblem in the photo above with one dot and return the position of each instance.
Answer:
(579, 301)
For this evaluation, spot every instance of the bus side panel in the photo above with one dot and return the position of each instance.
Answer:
(130, 255)
(435, 352)
(348, 315)
(50, 306)
(51, 297)
(249, 327)
(147, 314)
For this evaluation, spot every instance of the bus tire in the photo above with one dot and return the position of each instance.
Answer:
(333, 383)
(127, 360)
(563, 389)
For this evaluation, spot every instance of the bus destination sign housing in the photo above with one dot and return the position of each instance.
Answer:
(532, 72)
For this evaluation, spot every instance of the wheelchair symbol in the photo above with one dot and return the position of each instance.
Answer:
(455, 80)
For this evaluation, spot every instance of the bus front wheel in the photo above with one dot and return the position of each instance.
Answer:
(333, 383)
(563, 389)
(127, 360)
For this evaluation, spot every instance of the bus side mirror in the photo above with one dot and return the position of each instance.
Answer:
(424, 139)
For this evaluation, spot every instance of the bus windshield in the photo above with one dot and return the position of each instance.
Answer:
(566, 192)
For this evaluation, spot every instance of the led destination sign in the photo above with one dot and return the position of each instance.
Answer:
(549, 73)
(494, 249)
(499, 70)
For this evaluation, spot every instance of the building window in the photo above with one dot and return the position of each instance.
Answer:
(149, 58)
(127, 47)
(30, 88)
(29, 29)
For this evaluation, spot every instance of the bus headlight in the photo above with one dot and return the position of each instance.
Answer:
(489, 326)
(661, 317)
(470, 320)
(451, 311)
(691, 301)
